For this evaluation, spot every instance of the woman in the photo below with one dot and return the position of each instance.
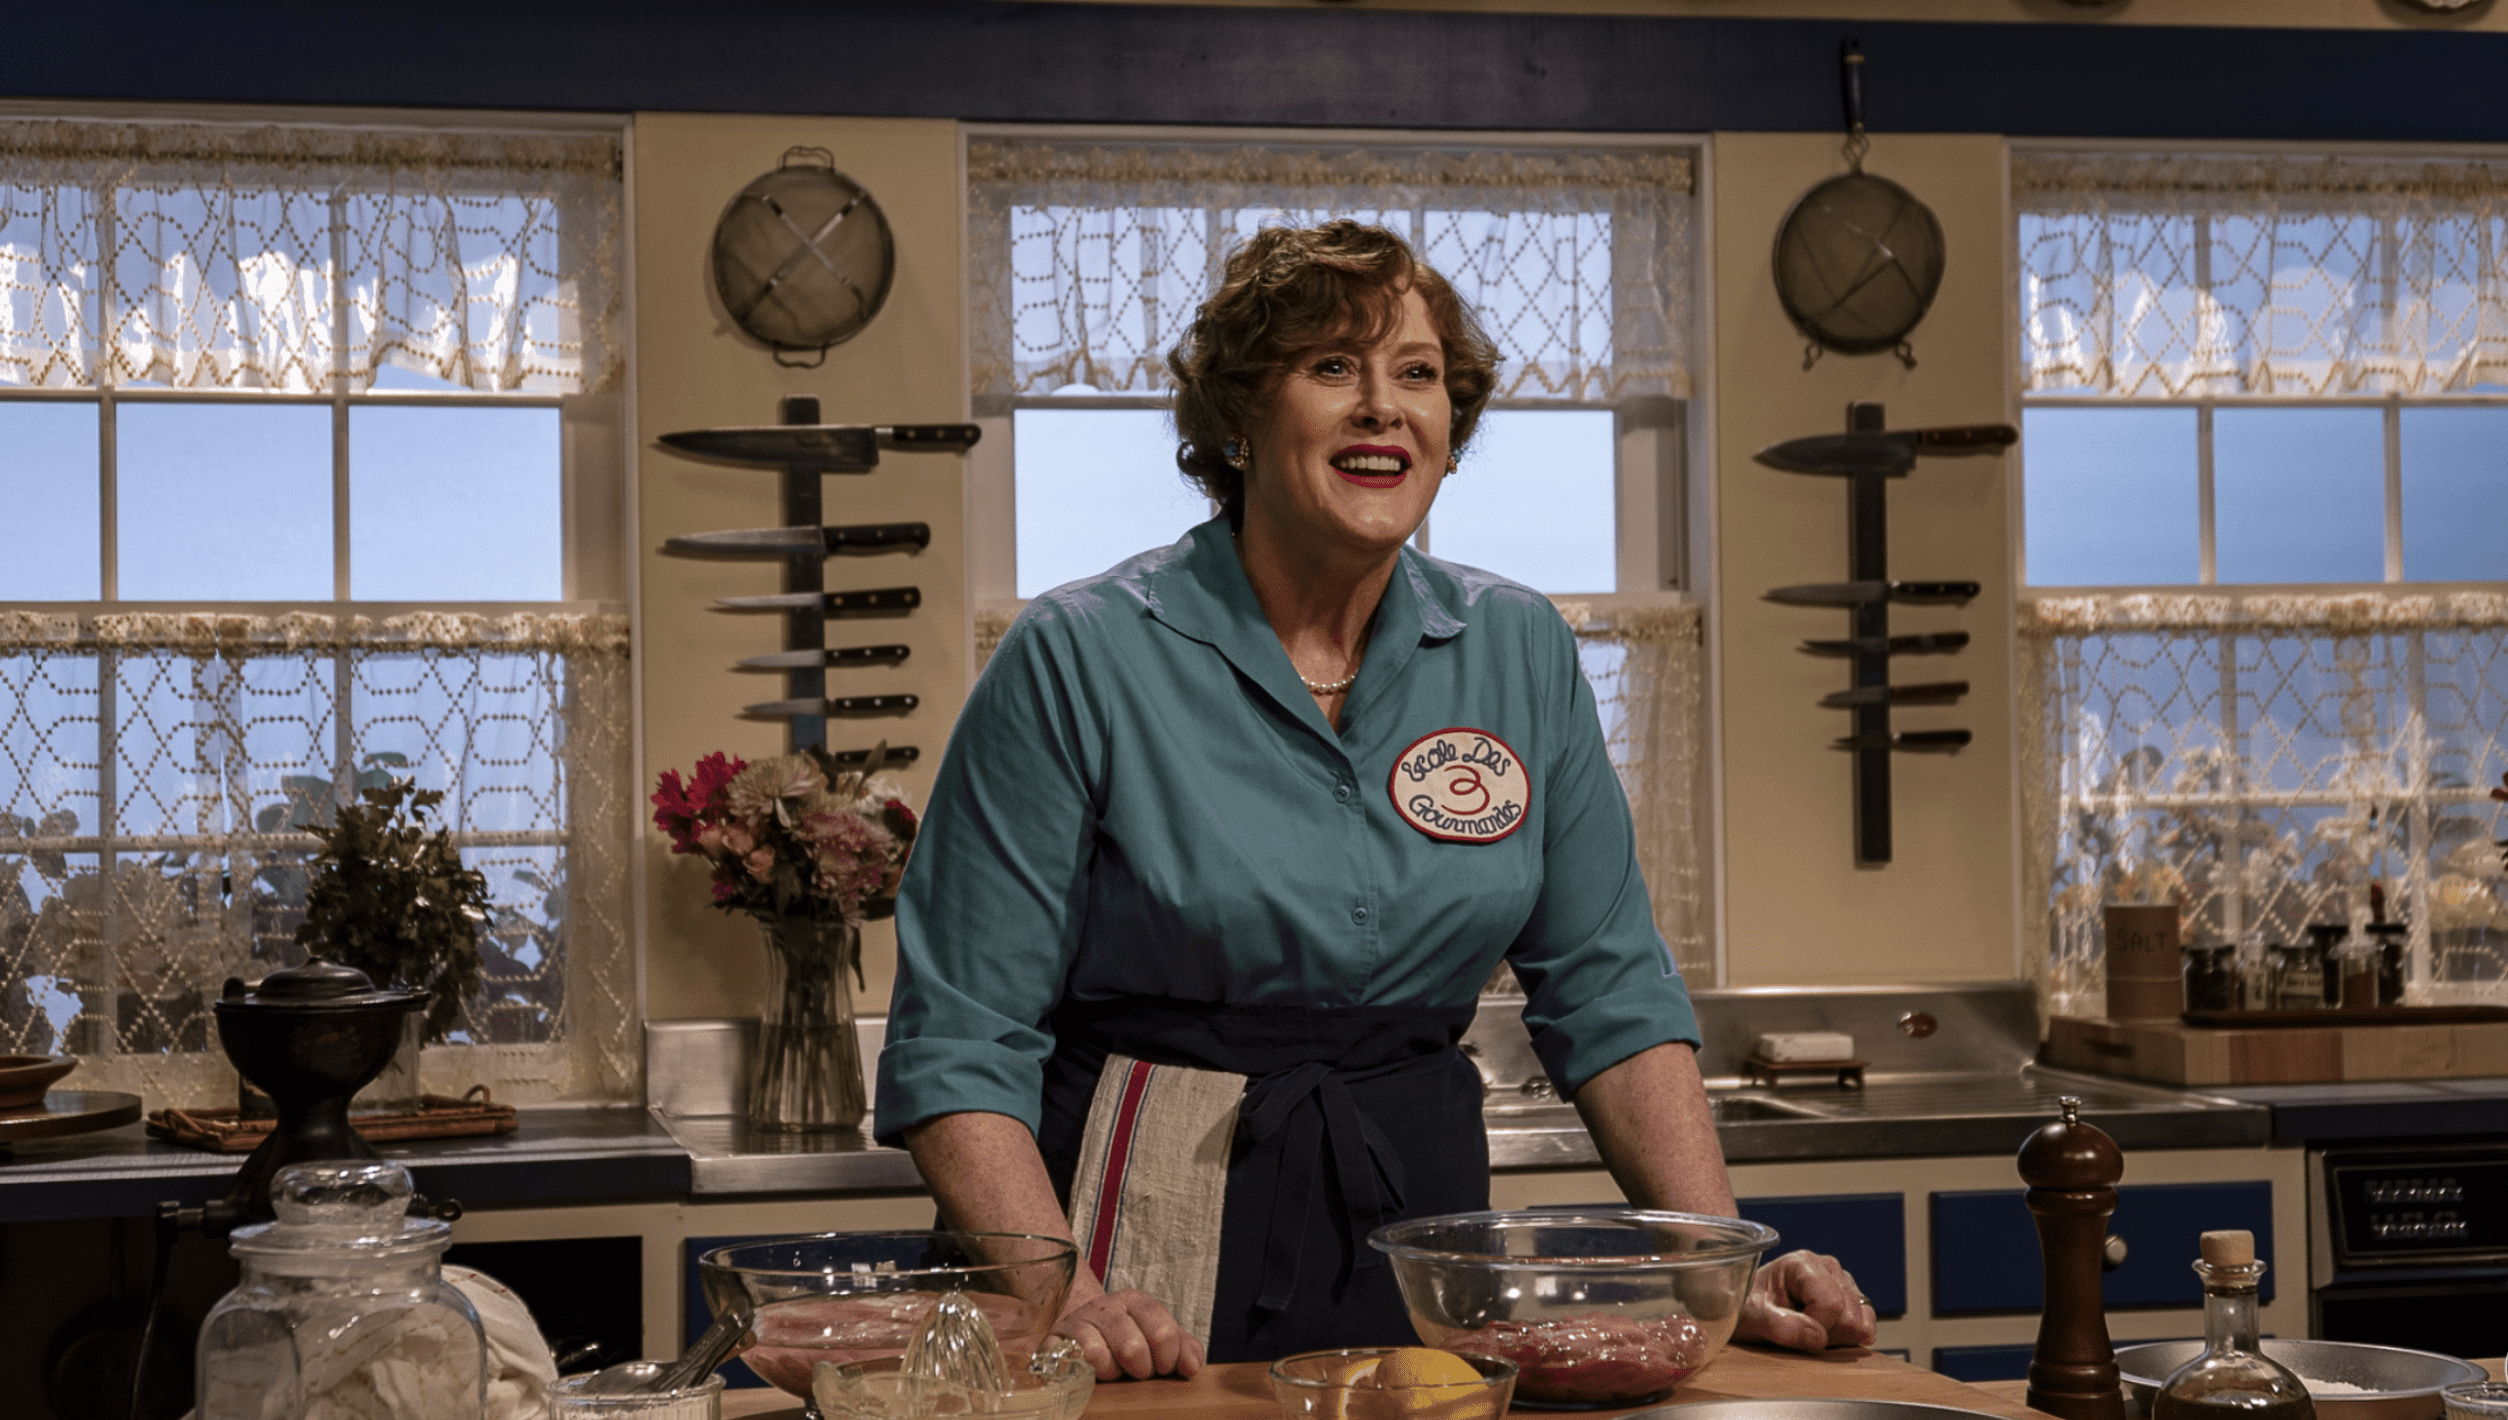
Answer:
(1228, 838)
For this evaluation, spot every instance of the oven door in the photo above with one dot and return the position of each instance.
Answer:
(2408, 1245)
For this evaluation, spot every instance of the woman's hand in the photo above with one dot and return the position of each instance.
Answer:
(1130, 1334)
(1805, 1300)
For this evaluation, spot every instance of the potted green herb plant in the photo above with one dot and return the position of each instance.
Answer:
(392, 898)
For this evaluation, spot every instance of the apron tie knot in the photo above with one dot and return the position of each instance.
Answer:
(1288, 1114)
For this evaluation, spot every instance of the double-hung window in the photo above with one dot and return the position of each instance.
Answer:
(2265, 452)
(307, 438)
(1087, 258)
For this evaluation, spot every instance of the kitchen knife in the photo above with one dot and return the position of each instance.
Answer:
(832, 656)
(829, 448)
(836, 705)
(1891, 451)
(1934, 741)
(1895, 694)
(1860, 593)
(1925, 644)
(805, 542)
(833, 603)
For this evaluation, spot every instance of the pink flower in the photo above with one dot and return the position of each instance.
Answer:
(680, 807)
(761, 863)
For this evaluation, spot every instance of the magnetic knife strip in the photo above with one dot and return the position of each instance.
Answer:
(1867, 456)
(805, 450)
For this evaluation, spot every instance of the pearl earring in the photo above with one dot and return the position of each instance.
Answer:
(1235, 455)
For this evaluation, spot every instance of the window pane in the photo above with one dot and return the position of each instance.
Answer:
(1095, 486)
(225, 502)
(2455, 494)
(1533, 501)
(2299, 495)
(2111, 497)
(454, 504)
(48, 483)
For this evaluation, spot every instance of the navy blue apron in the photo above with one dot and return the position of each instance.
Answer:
(1353, 1117)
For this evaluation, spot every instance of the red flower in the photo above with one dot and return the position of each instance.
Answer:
(680, 809)
(898, 819)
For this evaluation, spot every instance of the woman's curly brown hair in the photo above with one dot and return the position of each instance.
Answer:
(1285, 292)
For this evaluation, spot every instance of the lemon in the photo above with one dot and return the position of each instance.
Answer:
(1360, 1373)
(1433, 1381)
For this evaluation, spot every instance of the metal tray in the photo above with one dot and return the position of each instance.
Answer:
(2398, 1384)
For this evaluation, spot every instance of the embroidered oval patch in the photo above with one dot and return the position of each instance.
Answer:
(1462, 786)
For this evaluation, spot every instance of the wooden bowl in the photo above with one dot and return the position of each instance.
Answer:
(24, 1078)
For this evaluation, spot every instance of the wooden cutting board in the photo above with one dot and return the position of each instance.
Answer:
(1241, 1391)
(2174, 1053)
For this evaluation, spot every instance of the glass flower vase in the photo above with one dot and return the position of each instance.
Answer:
(808, 1075)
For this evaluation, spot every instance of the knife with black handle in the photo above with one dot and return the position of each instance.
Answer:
(1928, 643)
(1895, 694)
(836, 705)
(830, 656)
(828, 448)
(872, 602)
(805, 542)
(1865, 593)
(1916, 741)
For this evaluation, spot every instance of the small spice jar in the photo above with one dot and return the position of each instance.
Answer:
(2211, 975)
(2301, 980)
(2328, 940)
(2390, 938)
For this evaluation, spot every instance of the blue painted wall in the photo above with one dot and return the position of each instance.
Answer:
(990, 60)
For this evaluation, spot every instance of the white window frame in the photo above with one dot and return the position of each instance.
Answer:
(2415, 804)
(596, 493)
(1664, 446)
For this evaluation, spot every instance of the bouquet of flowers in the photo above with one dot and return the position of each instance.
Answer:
(794, 835)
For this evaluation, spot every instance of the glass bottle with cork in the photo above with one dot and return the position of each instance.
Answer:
(2233, 1377)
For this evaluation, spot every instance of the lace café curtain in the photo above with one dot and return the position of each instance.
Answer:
(1086, 263)
(283, 258)
(157, 768)
(2215, 275)
(2261, 762)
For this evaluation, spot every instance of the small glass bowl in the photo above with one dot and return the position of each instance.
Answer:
(1307, 1384)
(2475, 1400)
(701, 1399)
(1054, 1383)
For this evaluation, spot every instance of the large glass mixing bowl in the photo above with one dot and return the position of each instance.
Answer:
(1596, 1307)
(855, 1296)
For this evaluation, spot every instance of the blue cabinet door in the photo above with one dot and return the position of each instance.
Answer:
(1866, 1232)
(1985, 1245)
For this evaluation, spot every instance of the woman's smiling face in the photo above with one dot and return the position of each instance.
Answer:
(1353, 446)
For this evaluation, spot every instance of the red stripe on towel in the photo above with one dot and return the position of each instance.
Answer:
(1118, 1159)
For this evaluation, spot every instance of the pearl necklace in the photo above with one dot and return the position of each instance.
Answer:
(1313, 687)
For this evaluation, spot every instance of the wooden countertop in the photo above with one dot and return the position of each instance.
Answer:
(1240, 1391)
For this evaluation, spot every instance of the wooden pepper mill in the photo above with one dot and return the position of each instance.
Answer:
(2071, 1169)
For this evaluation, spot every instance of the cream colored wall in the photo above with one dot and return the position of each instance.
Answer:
(694, 372)
(1796, 908)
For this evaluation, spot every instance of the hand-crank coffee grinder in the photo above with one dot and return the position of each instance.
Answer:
(309, 1037)
(2071, 1169)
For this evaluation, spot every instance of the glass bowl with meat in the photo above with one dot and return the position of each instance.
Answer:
(1596, 1307)
(842, 1297)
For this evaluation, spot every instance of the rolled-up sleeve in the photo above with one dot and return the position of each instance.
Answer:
(989, 914)
(1599, 980)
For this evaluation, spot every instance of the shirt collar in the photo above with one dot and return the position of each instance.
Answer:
(1202, 592)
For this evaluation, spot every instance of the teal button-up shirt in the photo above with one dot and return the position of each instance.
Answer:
(1140, 798)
